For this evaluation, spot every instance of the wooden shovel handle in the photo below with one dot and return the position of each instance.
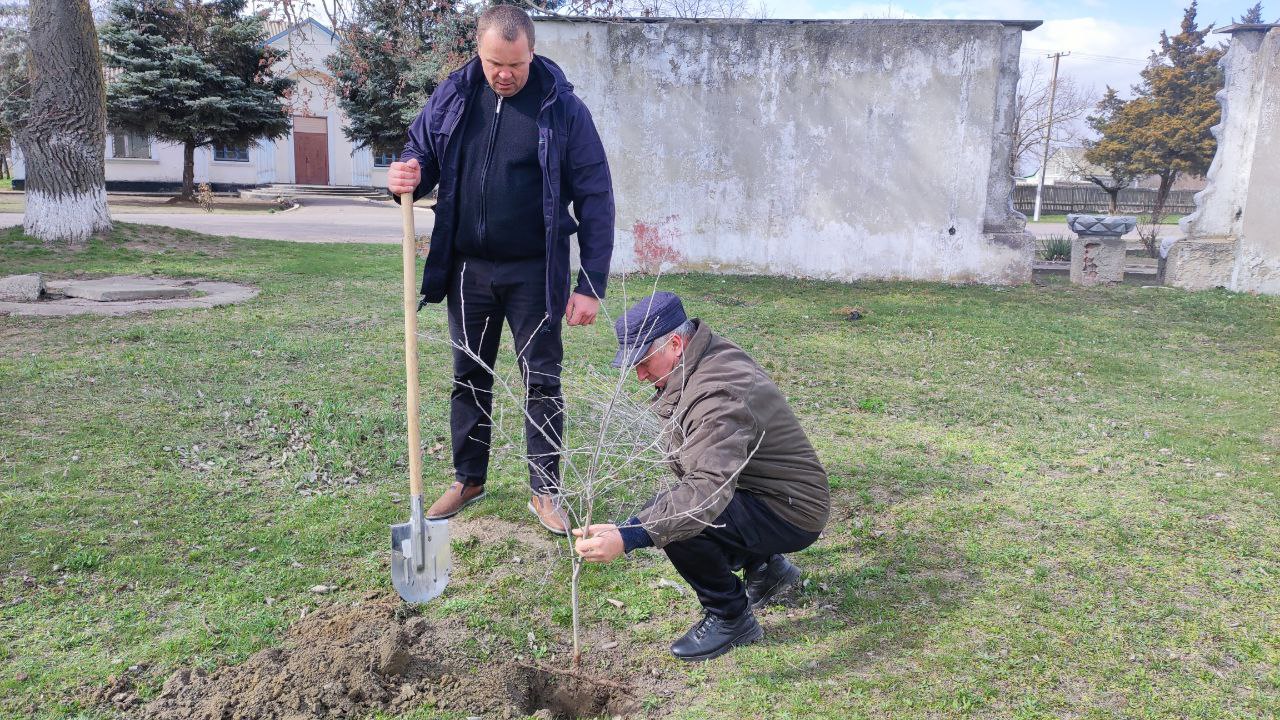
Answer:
(410, 252)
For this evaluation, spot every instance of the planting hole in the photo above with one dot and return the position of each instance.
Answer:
(567, 696)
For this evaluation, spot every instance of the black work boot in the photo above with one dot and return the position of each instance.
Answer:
(714, 636)
(768, 581)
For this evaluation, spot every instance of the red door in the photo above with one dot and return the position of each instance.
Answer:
(310, 151)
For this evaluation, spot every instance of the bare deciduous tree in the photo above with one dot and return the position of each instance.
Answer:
(687, 9)
(615, 453)
(1031, 114)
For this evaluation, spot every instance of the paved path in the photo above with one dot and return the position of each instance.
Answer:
(319, 219)
(325, 219)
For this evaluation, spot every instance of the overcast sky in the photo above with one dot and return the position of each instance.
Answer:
(1109, 39)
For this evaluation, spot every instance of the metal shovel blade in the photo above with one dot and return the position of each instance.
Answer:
(420, 557)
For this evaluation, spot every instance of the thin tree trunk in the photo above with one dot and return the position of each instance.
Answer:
(1162, 195)
(188, 171)
(1115, 200)
(574, 604)
(64, 139)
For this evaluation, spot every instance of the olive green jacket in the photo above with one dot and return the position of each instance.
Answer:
(729, 427)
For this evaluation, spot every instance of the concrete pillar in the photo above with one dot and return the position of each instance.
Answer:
(1098, 252)
(1232, 240)
(265, 160)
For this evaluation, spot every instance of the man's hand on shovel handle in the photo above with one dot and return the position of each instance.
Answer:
(403, 177)
(582, 309)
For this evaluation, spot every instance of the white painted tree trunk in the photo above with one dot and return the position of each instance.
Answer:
(67, 217)
(64, 139)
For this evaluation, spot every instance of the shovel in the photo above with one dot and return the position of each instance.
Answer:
(420, 559)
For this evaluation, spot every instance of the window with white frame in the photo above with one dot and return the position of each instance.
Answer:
(384, 157)
(130, 145)
(231, 153)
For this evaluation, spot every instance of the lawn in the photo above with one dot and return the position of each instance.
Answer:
(1049, 501)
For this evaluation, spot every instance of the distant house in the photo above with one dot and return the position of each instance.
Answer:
(1067, 166)
(315, 152)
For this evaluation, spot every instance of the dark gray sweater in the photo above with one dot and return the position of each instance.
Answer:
(500, 193)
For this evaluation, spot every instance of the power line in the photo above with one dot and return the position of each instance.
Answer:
(1091, 56)
(1048, 132)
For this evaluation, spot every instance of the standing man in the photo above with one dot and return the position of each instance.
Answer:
(749, 485)
(510, 147)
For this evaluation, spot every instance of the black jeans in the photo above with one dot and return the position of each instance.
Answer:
(482, 293)
(751, 533)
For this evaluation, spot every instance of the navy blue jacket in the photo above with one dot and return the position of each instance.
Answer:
(574, 169)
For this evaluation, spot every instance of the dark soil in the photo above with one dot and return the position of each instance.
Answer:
(351, 661)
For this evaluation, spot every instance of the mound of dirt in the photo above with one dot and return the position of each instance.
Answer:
(350, 661)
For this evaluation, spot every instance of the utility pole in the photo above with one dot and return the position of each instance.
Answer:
(1048, 131)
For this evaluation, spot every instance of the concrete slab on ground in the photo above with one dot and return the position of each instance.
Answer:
(204, 294)
(121, 289)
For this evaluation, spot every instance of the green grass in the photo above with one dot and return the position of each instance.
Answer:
(1049, 501)
(6, 184)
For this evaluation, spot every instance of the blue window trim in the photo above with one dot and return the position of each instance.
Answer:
(228, 153)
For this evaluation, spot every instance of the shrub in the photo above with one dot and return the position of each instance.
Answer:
(1055, 247)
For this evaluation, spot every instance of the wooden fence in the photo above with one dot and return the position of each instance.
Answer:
(1064, 199)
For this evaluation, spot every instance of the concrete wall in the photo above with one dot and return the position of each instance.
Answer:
(827, 149)
(1233, 238)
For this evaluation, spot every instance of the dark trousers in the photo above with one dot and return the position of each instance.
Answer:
(483, 293)
(749, 534)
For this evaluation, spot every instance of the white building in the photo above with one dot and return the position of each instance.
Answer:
(315, 152)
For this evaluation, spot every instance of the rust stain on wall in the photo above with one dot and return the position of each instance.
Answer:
(656, 244)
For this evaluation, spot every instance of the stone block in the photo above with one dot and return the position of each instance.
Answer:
(1200, 264)
(21, 288)
(1097, 260)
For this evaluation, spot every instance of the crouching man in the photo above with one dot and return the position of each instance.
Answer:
(749, 485)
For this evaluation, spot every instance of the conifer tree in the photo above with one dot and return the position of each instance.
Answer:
(391, 56)
(195, 72)
(1117, 160)
(1252, 16)
(1165, 129)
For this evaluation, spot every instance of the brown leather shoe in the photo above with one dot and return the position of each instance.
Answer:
(454, 499)
(548, 511)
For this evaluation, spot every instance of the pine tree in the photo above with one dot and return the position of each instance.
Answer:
(195, 72)
(390, 58)
(1113, 153)
(1165, 129)
(1252, 16)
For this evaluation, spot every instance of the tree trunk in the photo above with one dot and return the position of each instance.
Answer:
(1167, 179)
(64, 139)
(1115, 200)
(188, 171)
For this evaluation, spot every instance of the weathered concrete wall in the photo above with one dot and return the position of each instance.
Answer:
(841, 150)
(1233, 238)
